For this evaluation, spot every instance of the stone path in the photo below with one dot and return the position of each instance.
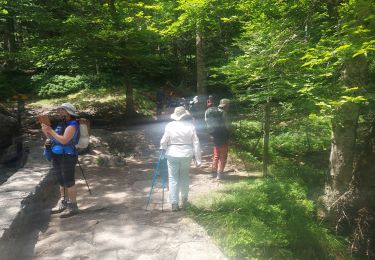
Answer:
(113, 222)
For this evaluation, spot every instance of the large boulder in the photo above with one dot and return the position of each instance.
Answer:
(9, 131)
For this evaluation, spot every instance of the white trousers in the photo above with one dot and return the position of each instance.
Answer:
(179, 179)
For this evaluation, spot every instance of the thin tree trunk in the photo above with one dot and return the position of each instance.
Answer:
(10, 38)
(97, 67)
(308, 137)
(266, 137)
(129, 110)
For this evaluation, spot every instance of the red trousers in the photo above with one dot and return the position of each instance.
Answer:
(219, 158)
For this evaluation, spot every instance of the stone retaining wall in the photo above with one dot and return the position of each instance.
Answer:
(24, 201)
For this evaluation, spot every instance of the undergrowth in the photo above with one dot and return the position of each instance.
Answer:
(266, 219)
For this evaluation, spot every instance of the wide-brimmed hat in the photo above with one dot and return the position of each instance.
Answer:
(224, 102)
(179, 113)
(69, 108)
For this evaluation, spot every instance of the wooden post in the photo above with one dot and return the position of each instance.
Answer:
(20, 111)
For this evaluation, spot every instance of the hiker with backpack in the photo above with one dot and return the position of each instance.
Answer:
(218, 126)
(180, 143)
(62, 143)
(194, 109)
(210, 101)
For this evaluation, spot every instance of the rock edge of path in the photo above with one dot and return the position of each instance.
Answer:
(24, 198)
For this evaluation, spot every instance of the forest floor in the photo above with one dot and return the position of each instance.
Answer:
(113, 222)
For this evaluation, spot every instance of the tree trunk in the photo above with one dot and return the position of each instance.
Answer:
(97, 67)
(344, 128)
(363, 230)
(344, 134)
(112, 8)
(266, 137)
(10, 38)
(129, 110)
(201, 69)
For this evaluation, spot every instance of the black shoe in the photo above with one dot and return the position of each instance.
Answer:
(72, 209)
(60, 207)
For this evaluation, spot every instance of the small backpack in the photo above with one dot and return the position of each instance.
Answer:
(214, 119)
(84, 134)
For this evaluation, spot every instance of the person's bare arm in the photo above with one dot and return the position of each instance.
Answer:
(62, 139)
(45, 134)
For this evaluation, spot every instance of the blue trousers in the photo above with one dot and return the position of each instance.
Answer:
(179, 179)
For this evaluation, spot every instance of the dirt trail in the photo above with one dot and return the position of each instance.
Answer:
(113, 222)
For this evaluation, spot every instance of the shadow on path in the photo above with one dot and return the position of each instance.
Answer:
(113, 222)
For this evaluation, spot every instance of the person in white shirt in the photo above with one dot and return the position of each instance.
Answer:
(180, 143)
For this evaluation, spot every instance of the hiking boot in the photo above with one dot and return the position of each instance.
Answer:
(72, 209)
(213, 174)
(175, 207)
(219, 177)
(60, 207)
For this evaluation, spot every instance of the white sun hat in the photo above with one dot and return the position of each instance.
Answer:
(179, 113)
(69, 108)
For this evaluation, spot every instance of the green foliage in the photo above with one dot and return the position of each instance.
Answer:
(245, 129)
(247, 135)
(103, 81)
(295, 53)
(266, 219)
(311, 178)
(300, 137)
(12, 83)
(60, 85)
(250, 162)
(143, 105)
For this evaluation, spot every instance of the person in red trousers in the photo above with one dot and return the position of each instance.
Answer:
(220, 137)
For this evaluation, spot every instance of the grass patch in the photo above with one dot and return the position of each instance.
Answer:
(266, 219)
(105, 101)
(248, 160)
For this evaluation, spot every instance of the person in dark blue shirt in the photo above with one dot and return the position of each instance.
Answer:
(64, 158)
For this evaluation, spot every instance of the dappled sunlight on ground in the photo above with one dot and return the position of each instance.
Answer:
(113, 222)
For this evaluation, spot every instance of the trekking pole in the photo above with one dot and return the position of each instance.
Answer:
(154, 179)
(163, 177)
(88, 187)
